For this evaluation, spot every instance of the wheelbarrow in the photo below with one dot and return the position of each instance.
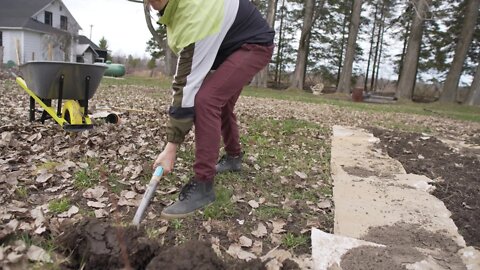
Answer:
(74, 83)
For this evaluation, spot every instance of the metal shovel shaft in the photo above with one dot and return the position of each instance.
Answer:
(147, 196)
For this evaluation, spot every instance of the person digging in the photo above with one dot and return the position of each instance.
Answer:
(221, 45)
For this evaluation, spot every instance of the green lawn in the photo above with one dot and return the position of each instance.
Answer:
(452, 111)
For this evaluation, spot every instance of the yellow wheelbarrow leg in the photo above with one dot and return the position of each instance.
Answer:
(47, 108)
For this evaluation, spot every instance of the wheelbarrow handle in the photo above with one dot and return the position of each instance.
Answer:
(147, 196)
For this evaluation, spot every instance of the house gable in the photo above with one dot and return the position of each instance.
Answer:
(19, 14)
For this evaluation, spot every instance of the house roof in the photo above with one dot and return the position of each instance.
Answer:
(18, 13)
(85, 40)
(82, 48)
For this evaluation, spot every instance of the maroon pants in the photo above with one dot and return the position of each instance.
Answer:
(214, 104)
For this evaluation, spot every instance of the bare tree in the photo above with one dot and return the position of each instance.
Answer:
(473, 97)
(346, 74)
(298, 76)
(261, 79)
(408, 74)
(450, 87)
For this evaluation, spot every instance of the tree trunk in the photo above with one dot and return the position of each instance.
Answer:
(261, 79)
(346, 75)
(408, 75)
(379, 58)
(450, 87)
(298, 76)
(340, 57)
(404, 51)
(377, 48)
(170, 61)
(473, 98)
(278, 71)
(372, 40)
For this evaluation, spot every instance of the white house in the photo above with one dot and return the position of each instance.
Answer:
(41, 30)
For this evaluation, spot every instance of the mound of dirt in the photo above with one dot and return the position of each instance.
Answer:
(196, 255)
(94, 244)
(98, 245)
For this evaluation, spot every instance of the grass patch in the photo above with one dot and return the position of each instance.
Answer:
(86, 178)
(49, 166)
(59, 205)
(453, 111)
(22, 192)
(177, 224)
(114, 183)
(270, 212)
(223, 207)
(305, 195)
(292, 241)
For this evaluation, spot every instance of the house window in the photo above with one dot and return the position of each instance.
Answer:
(1, 39)
(64, 22)
(48, 18)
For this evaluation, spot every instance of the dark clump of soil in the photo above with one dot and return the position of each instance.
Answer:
(94, 244)
(196, 255)
(457, 175)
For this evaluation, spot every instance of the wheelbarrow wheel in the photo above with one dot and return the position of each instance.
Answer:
(72, 113)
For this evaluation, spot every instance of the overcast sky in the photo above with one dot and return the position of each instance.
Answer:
(121, 22)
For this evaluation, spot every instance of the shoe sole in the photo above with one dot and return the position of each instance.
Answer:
(176, 216)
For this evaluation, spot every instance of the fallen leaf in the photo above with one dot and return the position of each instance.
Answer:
(261, 231)
(278, 226)
(70, 212)
(236, 251)
(38, 254)
(94, 193)
(324, 204)
(163, 230)
(302, 175)
(245, 241)
(273, 264)
(253, 204)
(37, 214)
(129, 194)
(207, 225)
(216, 246)
(40, 230)
(100, 213)
(257, 247)
(42, 178)
(124, 202)
(280, 254)
(14, 257)
(96, 204)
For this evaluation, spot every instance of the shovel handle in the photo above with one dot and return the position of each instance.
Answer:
(147, 196)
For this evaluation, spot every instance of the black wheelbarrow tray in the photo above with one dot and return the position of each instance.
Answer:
(74, 83)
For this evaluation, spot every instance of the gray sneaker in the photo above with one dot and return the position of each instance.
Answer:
(229, 164)
(194, 195)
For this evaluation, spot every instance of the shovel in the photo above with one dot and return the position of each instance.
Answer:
(147, 196)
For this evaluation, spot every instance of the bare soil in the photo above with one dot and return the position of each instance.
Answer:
(456, 172)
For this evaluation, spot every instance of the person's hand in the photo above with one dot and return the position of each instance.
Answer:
(166, 159)
(158, 4)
